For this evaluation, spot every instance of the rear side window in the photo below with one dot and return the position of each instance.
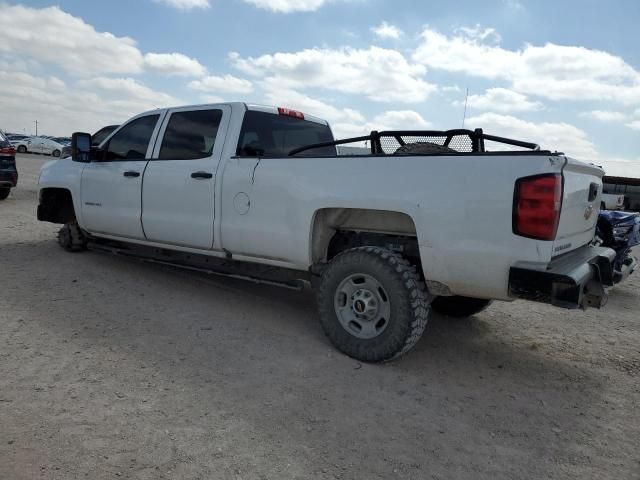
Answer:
(269, 135)
(190, 135)
(131, 142)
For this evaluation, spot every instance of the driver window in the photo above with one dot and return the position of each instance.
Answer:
(131, 142)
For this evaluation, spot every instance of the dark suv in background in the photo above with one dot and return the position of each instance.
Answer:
(8, 172)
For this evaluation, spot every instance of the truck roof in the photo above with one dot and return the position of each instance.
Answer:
(247, 106)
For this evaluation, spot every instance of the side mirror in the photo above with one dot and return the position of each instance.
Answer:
(81, 147)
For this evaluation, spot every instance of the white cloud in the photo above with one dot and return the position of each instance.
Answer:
(62, 109)
(501, 100)
(54, 36)
(226, 83)
(400, 119)
(386, 30)
(621, 167)
(186, 4)
(51, 35)
(174, 64)
(345, 122)
(552, 136)
(464, 55)
(382, 75)
(553, 71)
(288, 6)
(635, 125)
(604, 116)
(208, 98)
(480, 33)
(389, 120)
(129, 88)
(286, 97)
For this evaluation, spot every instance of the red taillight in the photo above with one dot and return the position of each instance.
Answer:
(536, 206)
(291, 113)
(7, 152)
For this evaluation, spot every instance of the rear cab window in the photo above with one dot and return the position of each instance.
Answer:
(265, 134)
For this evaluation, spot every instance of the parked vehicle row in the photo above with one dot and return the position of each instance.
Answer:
(41, 145)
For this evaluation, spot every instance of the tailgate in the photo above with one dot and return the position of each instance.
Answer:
(580, 201)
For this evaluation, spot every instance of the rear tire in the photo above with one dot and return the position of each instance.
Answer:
(4, 193)
(71, 238)
(372, 304)
(21, 149)
(459, 307)
(602, 206)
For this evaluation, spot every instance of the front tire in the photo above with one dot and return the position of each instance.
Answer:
(372, 304)
(56, 153)
(4, 193)
(459, 307)
(21, 149)
(71, 238)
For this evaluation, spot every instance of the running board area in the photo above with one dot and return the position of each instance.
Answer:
(252, 272)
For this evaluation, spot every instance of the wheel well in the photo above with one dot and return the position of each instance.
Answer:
(338, 229)
(56, 206)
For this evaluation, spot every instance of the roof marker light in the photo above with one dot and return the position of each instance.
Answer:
(291, 113)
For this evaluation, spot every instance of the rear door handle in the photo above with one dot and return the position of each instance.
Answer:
(201, 175)
(131, 173)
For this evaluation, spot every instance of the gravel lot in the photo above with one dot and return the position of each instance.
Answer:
(111, 368)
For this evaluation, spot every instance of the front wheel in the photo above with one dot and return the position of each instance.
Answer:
(459, 307)
(21, 149)
(4, 193)
(372, 304)
(56, 153)
(71, 238)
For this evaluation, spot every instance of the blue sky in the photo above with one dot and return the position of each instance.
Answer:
(565, 74)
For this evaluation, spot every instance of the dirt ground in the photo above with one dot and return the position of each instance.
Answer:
(111, 368)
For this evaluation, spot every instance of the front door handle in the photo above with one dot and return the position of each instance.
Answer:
(201, 175)
(131, 173)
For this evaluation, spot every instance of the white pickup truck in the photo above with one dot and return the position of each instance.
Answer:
(611, 201)
(425, 220)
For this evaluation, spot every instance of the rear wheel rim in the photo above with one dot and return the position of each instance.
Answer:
(362, 306)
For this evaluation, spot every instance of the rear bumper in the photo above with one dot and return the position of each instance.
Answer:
(628, 267)
(8, 178)
(574, 280)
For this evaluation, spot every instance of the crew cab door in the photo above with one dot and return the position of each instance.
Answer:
(179, 181)
(111, 189)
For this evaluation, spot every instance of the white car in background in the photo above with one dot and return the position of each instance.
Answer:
(40, 145)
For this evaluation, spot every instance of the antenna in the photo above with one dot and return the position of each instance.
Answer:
(464, 116)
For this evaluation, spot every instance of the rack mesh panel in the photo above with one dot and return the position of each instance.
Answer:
(458, 143)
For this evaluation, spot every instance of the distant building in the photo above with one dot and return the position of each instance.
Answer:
(629, 187)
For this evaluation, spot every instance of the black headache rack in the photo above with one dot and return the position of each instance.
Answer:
(436, 142)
